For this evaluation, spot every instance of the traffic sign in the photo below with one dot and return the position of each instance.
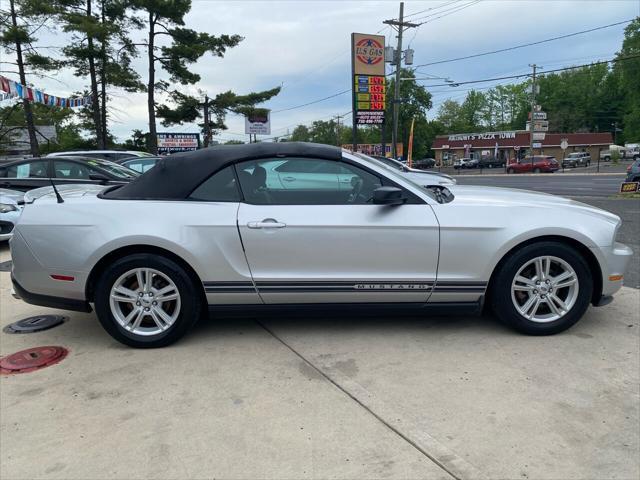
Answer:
(564, 144)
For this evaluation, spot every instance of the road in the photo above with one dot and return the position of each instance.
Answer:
(596, 190)
(567, 184)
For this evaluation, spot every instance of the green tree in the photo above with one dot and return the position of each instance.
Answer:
(100, 50)
(301, 134)
(17, 36)
(166, 18)
(628, 76)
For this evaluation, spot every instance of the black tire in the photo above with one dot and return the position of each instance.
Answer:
(536, 170)
(191, 300)
(500, 293)
(607, 159)
(509, 170)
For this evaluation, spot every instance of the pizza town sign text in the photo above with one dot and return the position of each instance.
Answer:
(481, 136)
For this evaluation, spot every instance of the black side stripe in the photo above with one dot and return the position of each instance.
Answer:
(344, 286)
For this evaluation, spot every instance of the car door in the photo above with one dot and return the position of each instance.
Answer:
(26, 175)
(329, 245)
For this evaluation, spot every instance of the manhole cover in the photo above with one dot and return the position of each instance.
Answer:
(35, 324)
(31, 359)
(5, 266)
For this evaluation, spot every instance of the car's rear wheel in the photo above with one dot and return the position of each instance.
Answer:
(509, 170)
(542, 289)
(147, 301)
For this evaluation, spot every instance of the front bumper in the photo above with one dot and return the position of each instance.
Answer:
(613, 262)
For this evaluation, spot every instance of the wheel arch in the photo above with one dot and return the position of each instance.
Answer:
(106, 259)
(590, 258)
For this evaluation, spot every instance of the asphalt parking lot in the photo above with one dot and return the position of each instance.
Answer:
(327, 398)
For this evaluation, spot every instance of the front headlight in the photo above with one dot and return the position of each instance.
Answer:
(7, 207)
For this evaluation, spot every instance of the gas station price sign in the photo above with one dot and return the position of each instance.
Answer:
(370, 93)
(369, 85)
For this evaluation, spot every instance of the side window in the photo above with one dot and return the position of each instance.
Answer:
(36, 169)
(71, 170)
(305, 181)
(140, 165)
(219, 187)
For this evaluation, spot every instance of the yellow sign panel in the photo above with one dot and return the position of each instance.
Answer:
(629, 187)
(367, 54)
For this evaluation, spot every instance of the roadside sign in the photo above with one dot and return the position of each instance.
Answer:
(564, 144)
(538, 126)
(258, 123)
(539, 115)
(538, 135)
(629, 187)
(537, 145)
(368, 74)
(177, 142)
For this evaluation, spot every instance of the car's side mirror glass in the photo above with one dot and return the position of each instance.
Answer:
(388, 196)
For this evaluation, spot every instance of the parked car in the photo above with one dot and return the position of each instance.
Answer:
(632, 150)
(422, 177)
(466, 163)
(423, 163)
(140, 164)
(540, 163)
(25, 175)
(209, 230)
(111, 155)
(577, 159)
(491, 162)
(10, 208)
(633, 171)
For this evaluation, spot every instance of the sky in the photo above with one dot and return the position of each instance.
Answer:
(303, 46)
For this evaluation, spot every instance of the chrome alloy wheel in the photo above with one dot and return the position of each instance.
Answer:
(544, 289)
(144, 301)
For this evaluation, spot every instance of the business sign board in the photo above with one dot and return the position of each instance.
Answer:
(538, 135)
(375, 149)
(537, 145)
(539, 115)
(629, 187)
(369, 85)
(539, 126)
(462, 137)
(177, 142)
(258, 123)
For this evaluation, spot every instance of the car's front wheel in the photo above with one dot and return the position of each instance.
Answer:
(147, 301)
(542, 289)
(510, 170)
(536, 170)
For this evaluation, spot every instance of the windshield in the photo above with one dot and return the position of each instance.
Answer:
(113, 168)
(393, 173)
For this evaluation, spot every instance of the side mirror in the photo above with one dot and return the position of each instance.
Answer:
(99, 177)
(388, 196)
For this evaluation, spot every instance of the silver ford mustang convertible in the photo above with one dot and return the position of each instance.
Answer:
(277, 225)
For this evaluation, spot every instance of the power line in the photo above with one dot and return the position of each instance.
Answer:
(523, 45)
(312, 102)
(451, 12)
(433, 8)
(456, 84)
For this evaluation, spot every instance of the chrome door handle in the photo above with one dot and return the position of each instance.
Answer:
(289, 179)
(266, 223)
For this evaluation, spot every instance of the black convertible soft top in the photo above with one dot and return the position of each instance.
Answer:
(176, 176)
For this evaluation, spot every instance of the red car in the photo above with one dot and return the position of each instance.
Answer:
(541, 163)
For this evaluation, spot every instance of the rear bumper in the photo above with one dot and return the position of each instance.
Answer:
(48, 301)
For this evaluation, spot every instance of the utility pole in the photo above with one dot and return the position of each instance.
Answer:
(207, 124)
(401, 25)
(533, 107)
(338, 117)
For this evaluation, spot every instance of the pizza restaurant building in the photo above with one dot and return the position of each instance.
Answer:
(510, 146)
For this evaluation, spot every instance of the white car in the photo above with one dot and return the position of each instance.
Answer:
(112, 155)
(10, 209)
(296, 225)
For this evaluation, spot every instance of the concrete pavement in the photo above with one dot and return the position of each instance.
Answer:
(328, 398)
